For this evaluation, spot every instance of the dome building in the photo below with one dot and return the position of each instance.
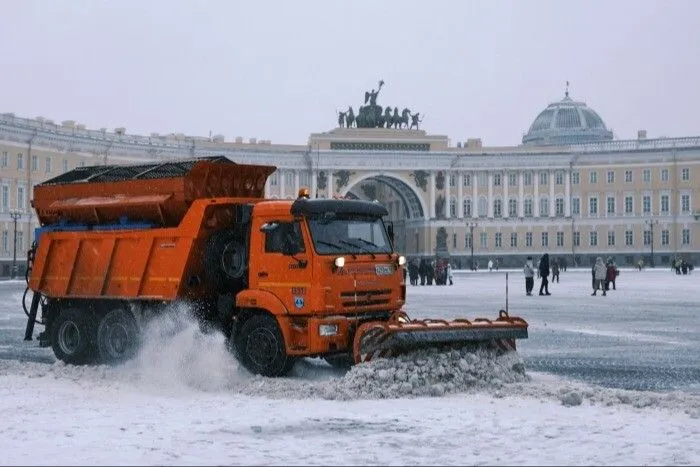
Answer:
(567, 122)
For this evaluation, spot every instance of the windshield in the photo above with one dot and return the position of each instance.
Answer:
(349, 235)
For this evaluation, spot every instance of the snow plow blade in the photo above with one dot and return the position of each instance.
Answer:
(400, 334)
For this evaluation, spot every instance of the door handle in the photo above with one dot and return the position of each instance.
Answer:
(262, 274)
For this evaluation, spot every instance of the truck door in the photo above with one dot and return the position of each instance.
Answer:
(283, 266)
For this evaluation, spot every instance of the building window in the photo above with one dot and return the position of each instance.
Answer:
(496, 179)
(512, 208)
(452, 180)
(545, 239)
(544, 207)
(65, 165)
(664, 204)
(665, 237)
(646, 175)
(483, 207)
(593, 239)
(273, 179)
(304, 179)
(453, 207)
(513, 179)
(20, 240)
(48, 165)
(289, 178)
(528, 207)
(611, 238)
(593, 206)
(560, 238)
(483, 239)
(611, 205)
(577, 239)
(559, 207)
(497, 208)
(575, 178)
(685, 174)
(611, 176)
(629, 238)
(5, 159)
(20, 161)
(664, 175)
(685, 237)
(5, 241)
(454, 241)
(467, 180)
(544, 178)
(576, 206)
(498, 240)
(20, 198)
(514, 240)
(527, 178)
(646, 204)
(685, 204)
(467, 207)
(468, 241)
(528, 239)
(629, 205)
(647, 237)
(482, 178)
(559, 178)
(628, 176)
(593, 177)
(5, 198)
(35, 163)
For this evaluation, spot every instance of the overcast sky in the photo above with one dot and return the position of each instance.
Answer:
(279, 70)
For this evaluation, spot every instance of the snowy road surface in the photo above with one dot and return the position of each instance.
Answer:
(184, 400)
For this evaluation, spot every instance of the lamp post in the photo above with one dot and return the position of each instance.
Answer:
(15, 214)
(471, 242)
(651, 224)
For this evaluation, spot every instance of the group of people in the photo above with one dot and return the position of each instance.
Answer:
(681, 266)
(543, 271)
(603, 275)
(427, 271)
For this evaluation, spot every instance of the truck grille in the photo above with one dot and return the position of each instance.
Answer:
(365, 298)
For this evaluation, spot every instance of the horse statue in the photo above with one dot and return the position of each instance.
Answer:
(341, 119)
(395, 118)
(349, 118)
(415, 120)
(387, 117)
(405, 113)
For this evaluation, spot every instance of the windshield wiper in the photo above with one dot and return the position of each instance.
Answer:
(359, 247)
(375, 246)
(331, 244)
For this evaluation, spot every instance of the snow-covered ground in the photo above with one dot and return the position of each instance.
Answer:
(185, 400)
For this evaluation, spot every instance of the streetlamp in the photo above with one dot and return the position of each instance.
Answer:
(651, 224)
(15, 214)
(471, 226)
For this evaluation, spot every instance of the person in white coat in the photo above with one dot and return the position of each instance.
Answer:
(599, 273)
(449, 273)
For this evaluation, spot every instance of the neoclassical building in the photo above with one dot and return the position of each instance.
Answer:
(570, 189)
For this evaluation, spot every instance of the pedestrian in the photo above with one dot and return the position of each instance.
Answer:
(555, 270)
(599, 273)
(610, 274)
(544, 274)
(449, 273)
(529, 272)
(490, 265)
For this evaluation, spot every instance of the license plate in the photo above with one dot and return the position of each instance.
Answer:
(384, 269)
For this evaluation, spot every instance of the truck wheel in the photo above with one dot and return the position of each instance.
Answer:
(225, 259)
(117, 336)
(260, 347)
(72, 336)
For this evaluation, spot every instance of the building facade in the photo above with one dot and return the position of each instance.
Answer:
(569, 189)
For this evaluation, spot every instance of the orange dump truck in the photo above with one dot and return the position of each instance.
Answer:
(282, 279)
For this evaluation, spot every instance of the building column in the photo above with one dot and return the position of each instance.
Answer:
(536, 201)
(489, 209)
(552, 201)
(296, 183)
(329, 184)
(283, 188)
(431, 181)
(475, 194)
(506, 205)
(448, 214)
(314, 184)
(567, 194)
(521, 195)
(267, 187)
(460, 195)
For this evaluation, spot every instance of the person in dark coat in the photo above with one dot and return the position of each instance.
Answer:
(544, 274)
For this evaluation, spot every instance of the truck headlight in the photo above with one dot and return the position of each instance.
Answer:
(339, 262)
(402, 260)
(327, 329)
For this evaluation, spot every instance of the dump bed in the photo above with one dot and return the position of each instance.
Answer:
(158, 193)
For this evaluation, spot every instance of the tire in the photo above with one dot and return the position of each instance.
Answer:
(225, 260)
(260, 347)
(73, 335)
(118, 337)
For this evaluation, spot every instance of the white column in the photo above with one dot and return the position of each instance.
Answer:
(460, 196)
(314, 184)
(536, 201)
(567, 194)
(267, 187)
(283, 187)
(521, 195)
(447, 195)
(489, 209)
(432, 195)
(552, 204)
(506, 206)
(329, 184)
(296, 183)
(475, 203)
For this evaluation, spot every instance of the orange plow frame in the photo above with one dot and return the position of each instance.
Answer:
(399, 333)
